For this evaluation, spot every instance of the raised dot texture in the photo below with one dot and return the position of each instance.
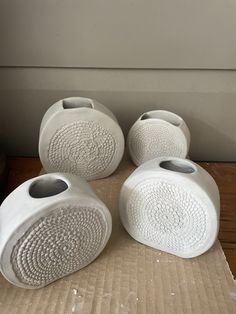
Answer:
(167, 216)
(151, 140)
(63, 242)
(83, 147)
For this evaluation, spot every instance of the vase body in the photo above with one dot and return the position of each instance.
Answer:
(80, 136)
(51, 226)
(173, 205)
(158, 133)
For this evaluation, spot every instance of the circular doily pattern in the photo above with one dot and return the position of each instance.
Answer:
(152, 140)
(162, 213)
(83, 147)
(58, 244)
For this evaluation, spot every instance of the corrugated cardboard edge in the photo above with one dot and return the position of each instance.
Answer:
(129, 277)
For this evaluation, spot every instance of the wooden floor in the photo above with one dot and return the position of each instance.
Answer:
(21, 169)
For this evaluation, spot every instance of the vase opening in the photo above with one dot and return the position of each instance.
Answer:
(163, 115)
(45, 187)
(73, 103)
(177, 166)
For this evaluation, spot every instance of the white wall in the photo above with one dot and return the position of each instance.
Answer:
(131, 55)
(119, 33)
(205, 99)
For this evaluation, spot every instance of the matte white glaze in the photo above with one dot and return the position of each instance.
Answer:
(51, 226)
(80, 136)
(158, 133)
(173, 205)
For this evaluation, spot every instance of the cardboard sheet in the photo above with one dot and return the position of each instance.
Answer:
(129, 277)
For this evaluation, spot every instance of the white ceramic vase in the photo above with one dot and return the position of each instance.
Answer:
(158, 133)
(51, 226)
(173, 205)
(80, 136)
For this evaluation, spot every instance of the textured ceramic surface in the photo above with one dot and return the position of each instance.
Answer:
(80, 136)
(51, 226)
(158, 133)
(173, 205)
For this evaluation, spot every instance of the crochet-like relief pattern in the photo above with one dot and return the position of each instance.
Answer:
(166, 215)
(84, 148)
(153, 140)
(58, 244)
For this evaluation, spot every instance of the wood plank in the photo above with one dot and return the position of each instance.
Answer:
(3, 173)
